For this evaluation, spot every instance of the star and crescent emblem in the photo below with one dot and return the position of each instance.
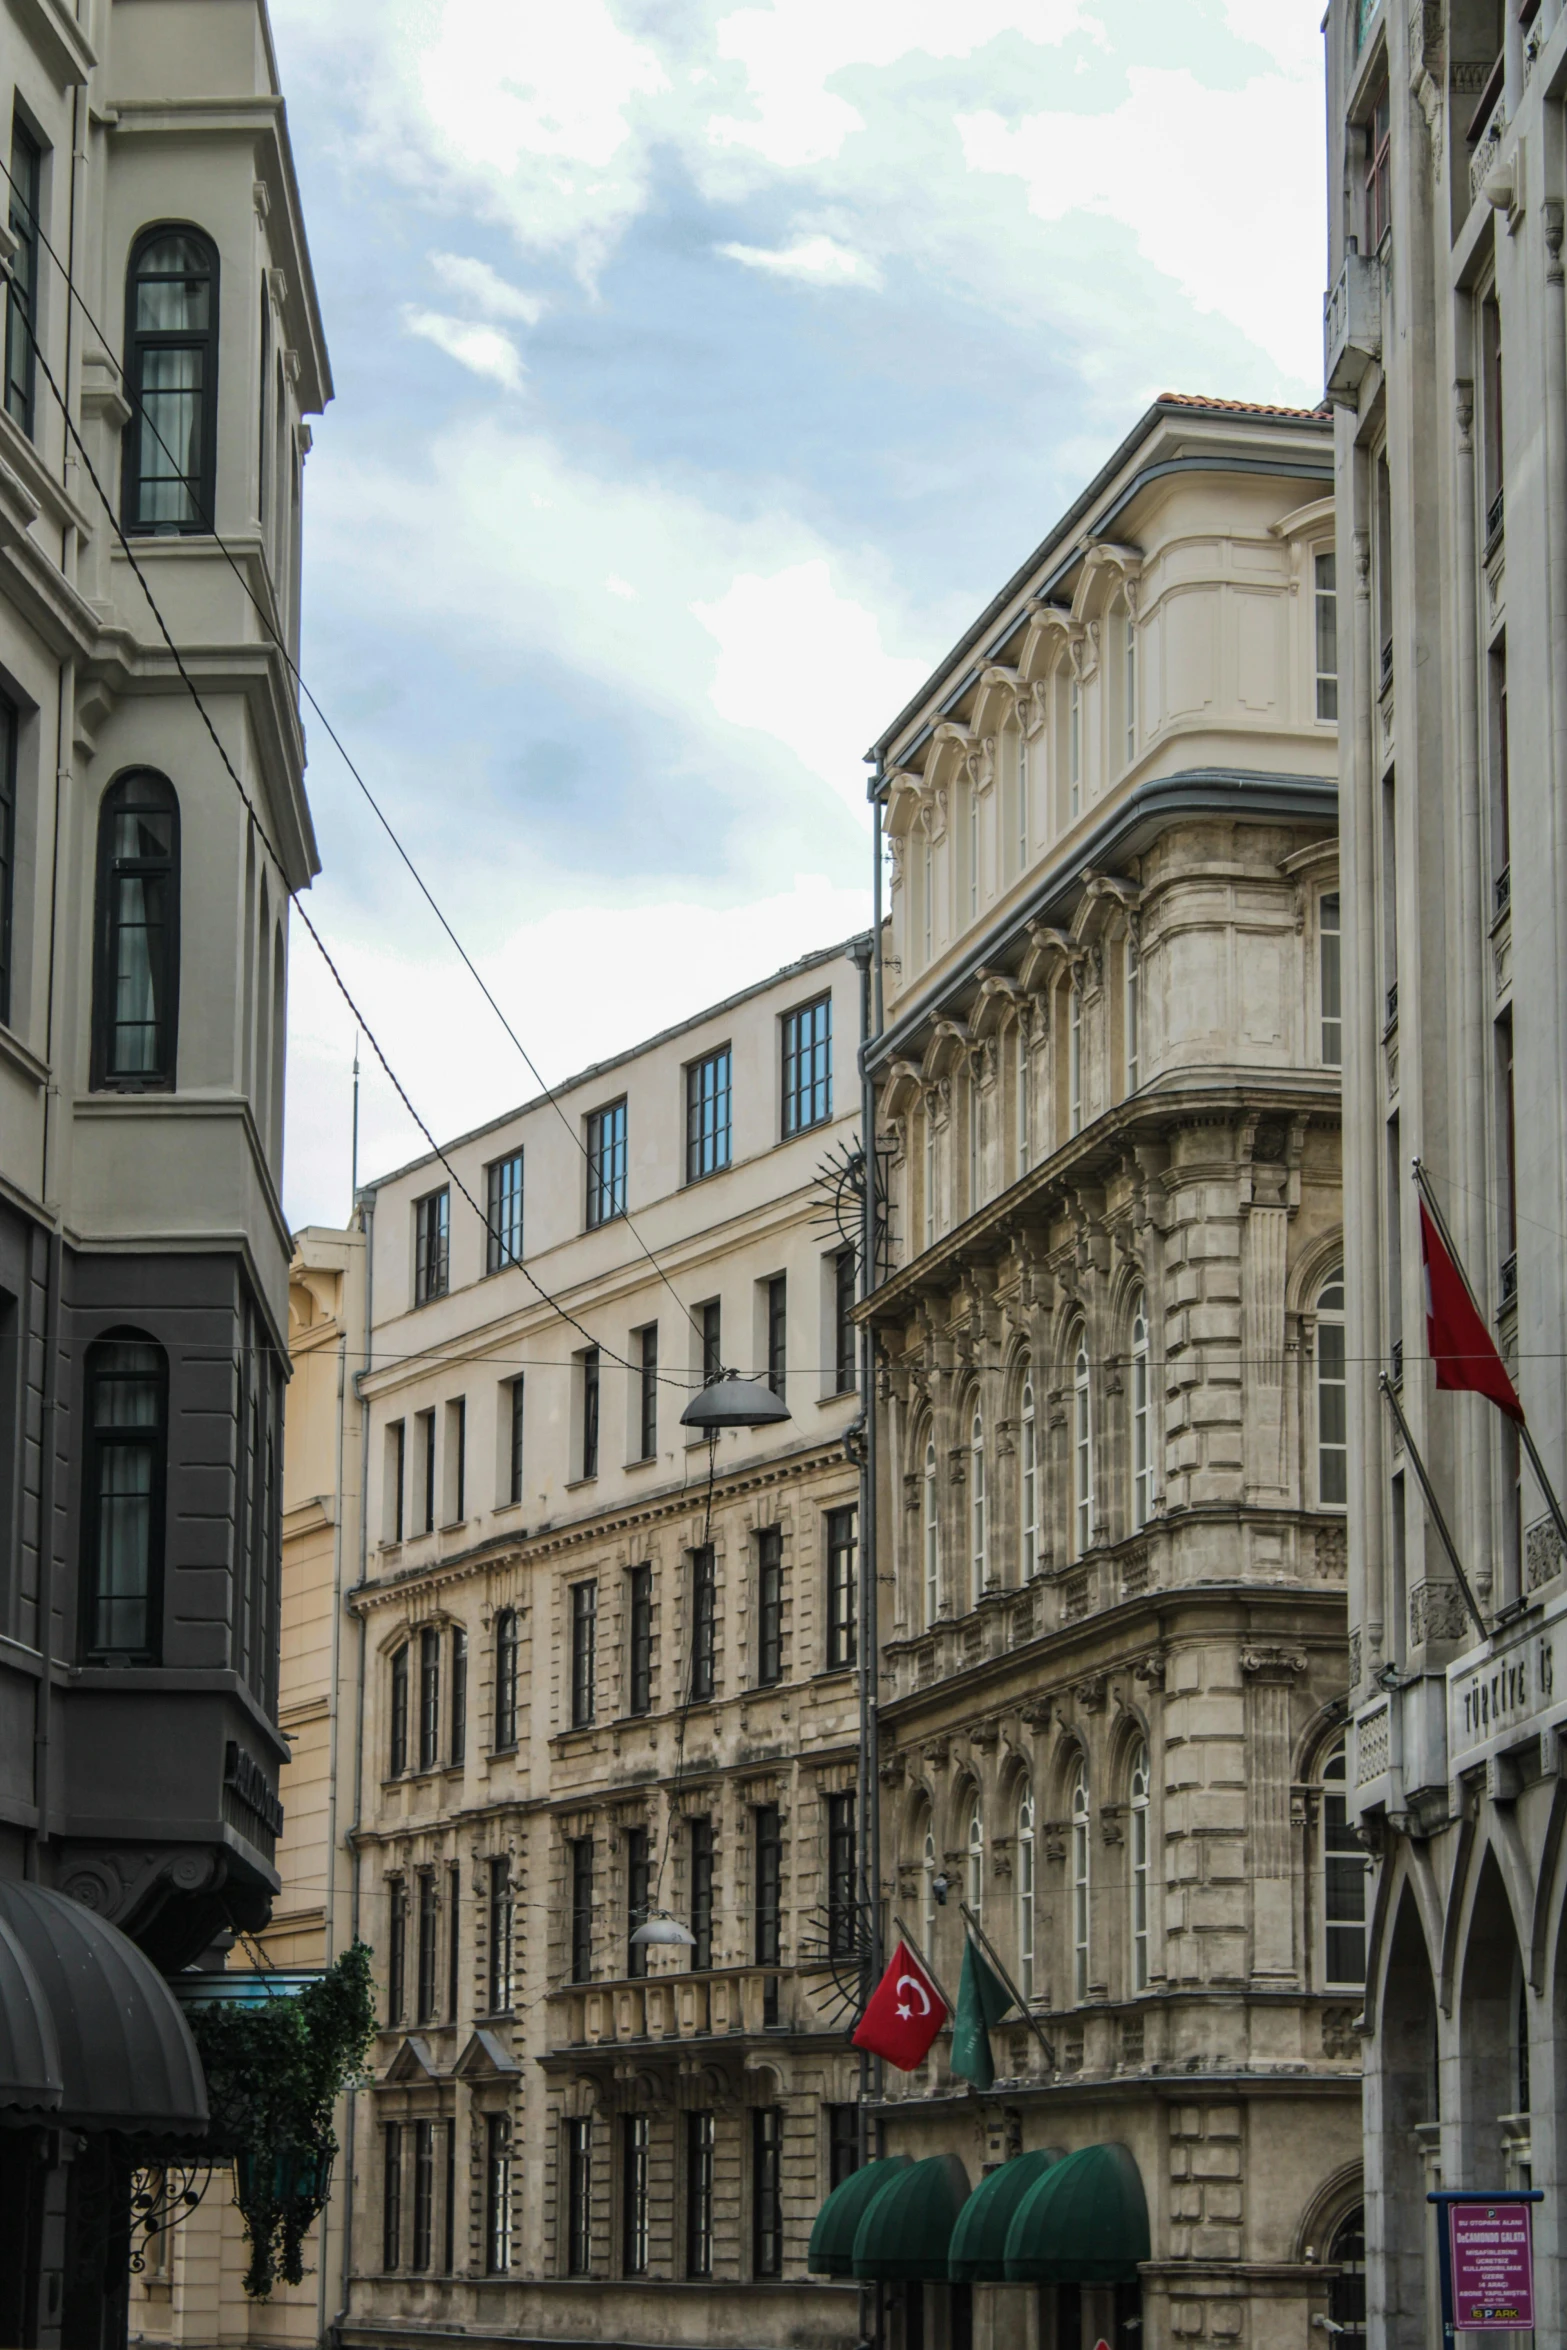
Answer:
(911, 1983)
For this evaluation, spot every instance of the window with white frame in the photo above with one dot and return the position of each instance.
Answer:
(1132, 993)
(975, 1141)
(1082, 1445)
(976, 1474)
(1025, 1894)
(930, 1173)
(1080, 1885)
(975, 1857)
(1129, 688)
(1330, 979)
(932, 1537)
(1137, 1853)
(973, 852)
(1028, 1482)
(1025, 1099)
(1142, 1429)
(1325, 573)
(1022, 756)
(928, 894)
(1332, 1396)
(1074, 751)
(1074, 1058)
(1344, 1871)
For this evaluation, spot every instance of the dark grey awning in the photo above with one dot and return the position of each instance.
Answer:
(30, 2073)
(125, 2055)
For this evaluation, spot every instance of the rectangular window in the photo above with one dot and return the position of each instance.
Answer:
(1379, 141)
(843, 1571)
(424, 2194)
(702, 1894)
(497, 2194)
(769, 1606)
(1133, 977)
(638, 1881)
(1344, 1868)
(589, 1359)
(457, 1461)
(647, 1393)
(710, 1320)
(1326, 574)
(424, 2009)
(845, 1374)
(699, 2194)
(1501, 789)
(606, 1165)
(127, 1413)
(584, 1653)
(396, 1950)
(778, 1333)
(1025, 1101)
(767, 2191)
(397, 1745)
(449, 2204)
(1395, 1248)
(707, 1115)
(502, 1981)
(1384, 573)
(1075, 752)
(429, 1698)
(842, 1901)
(807, 1066)
(1023, 826)
(503, 1245)
(1492, 447)
(453, 1944)
(7, 850)
(514, 1463)
(394, 1515)
(639, 1693)
(432, 1245)
(21, 309)
(636, 2149)
(1074, 1060)
(459, 1744)
(1330, 986)
(391, 2195)
(427, 1471)
(505, 1680)
(579, 2198)
(769, 1885)
(843, 2143)
(1506, 1162)
(1390, 896)
(1129, 686)
(582, 1909)
(704, 1624)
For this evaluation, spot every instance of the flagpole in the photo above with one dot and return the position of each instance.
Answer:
(947, 2000)
(989, 1948)
(1434, 1506)
(1428, 1196)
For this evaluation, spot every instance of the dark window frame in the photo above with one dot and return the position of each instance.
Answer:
(702, 1855)
(584, 1653)
(639, 1603)
(581, 1867)
(709, 1114)
(635, 2200)
(606, 1147)
(102, 1445)
(517, 1462)
(769, 1606)
(140, 343)
(842, 1829)
(701, 2136)
(592, 1385)
(704, 1624)
(497, 2194)
(579, 2197)
(710, 1321)
(453, 1942)
(429, 1697)
(426, 1948)
(506, 1681)
(397, 1715)
(639, 1887)
(140, 791)
(843, 2143)
(396, 1950)
(806, 1037)
(10, 730)
(767, 2191)
(845, 1296)
(391, 2196)
(1378, 164)
(768, 1830)
(432, 1245)
(458, 1742)
(501, 1985)
(20, 381)
(647, 1392)
(504, 1201)
(778, 1334)
(843, 1565)
(424, 2197)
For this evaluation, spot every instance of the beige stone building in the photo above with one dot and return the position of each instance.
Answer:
(605, 1675)
(1112, 1429)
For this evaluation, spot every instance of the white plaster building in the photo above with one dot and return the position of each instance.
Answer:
(143, 966)
(595, 1685)
(1112, 1483)
(1447, 358)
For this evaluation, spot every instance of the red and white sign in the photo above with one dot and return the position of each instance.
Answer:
(1492, 2247)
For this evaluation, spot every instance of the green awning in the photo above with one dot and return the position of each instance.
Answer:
(978, 2251)
(906, 2231)
(832, 2238)
(1084, 2223)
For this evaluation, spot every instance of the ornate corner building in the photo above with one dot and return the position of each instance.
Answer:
(1446, 358)
(1114, 1659)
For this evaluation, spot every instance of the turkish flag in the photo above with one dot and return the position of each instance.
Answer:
(903, 2014)
(1460, 1345)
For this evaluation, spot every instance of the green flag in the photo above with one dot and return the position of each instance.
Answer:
(983, 1999)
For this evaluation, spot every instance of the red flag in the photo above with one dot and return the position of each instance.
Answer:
(903, 2014)
(1460, 1345)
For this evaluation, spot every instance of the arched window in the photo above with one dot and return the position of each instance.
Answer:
(127, 1410)
(976, 1474)
(932, 1537)
(1028, 1478)
(1347, 2287)
(1082, 1446)
(1332, 1396)
(928, 1888)
(397, 1740)
(1142, 1434)
(976, 1860)
(171, 344)
(1080, 1854)
(1344, 1867)
(505, 1680)
(1138, 1806)
(1025, 1894)
(136, 980)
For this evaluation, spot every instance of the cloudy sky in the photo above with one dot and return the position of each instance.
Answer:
(701, 369)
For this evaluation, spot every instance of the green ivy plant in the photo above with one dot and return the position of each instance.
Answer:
(274, 2074)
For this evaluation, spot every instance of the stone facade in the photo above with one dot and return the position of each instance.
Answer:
(1447, 359)
(1112, 1548)
(656, 1705)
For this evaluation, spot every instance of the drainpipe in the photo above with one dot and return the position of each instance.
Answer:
(335, 1685)
(366, 1207)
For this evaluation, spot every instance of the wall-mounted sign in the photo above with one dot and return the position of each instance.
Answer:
(1487, 2248)
(1508, 1691)
(248, 1783)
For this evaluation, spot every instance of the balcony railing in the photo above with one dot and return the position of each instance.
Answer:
(729, 2001)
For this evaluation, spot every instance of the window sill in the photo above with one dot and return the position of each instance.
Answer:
(838, 1395)
(575, 1484)
(644, 1460)
(12, 1049)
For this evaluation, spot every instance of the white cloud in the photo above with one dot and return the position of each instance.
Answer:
(1149, 163)
(817, 261)
(621, 587)
(482, 349)
(486, 289)
(775, 634)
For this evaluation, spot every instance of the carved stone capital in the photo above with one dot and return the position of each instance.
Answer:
(1273, 1664)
